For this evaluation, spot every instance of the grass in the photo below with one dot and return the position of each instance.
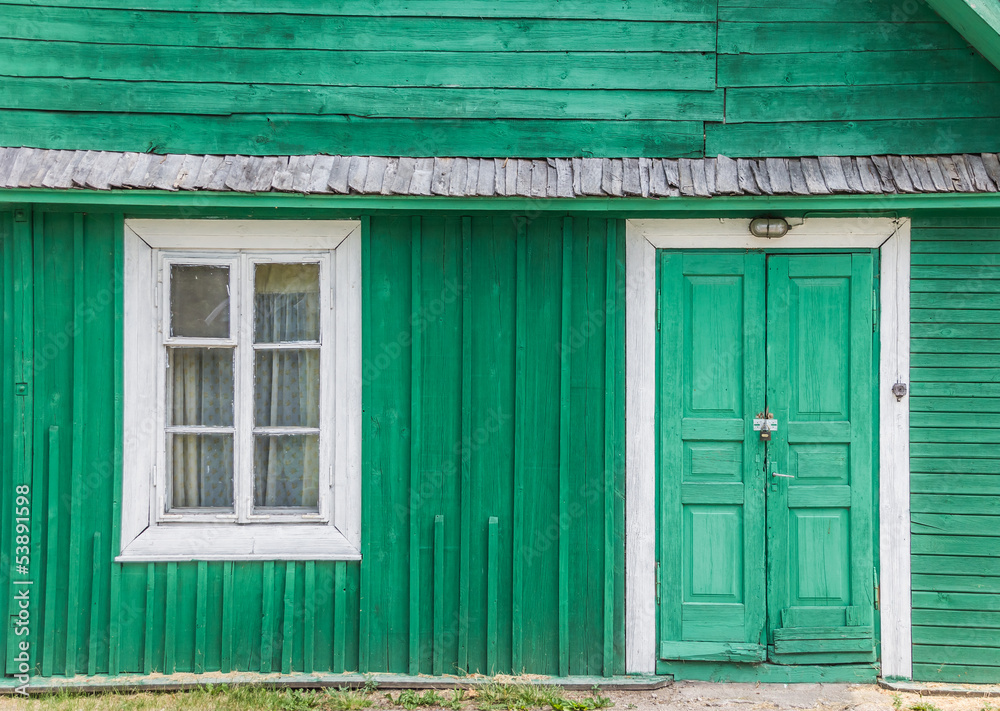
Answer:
(924, 706)
(492, 697)
(516, 697)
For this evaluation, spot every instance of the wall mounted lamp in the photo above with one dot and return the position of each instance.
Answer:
(768, 227)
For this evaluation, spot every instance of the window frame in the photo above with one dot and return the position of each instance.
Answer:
(148, 531)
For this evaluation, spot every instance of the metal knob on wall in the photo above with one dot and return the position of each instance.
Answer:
(899, 390)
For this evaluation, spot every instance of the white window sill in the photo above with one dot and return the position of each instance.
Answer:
(226, 541)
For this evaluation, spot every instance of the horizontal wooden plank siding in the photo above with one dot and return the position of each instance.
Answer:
(253, 134)
(471, 468)
(653, 78)
(223, 99)
(439, 78)
(955, 447)
(848, 78)
(652, 10)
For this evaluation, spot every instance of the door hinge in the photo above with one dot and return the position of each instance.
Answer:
(874, 311)
(657, 573)
(657, 309)
(876, 586)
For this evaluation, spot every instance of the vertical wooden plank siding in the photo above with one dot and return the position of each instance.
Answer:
(367, 515)
(565, 353)
(416, 378)
(267, 618)
(78, 395)
(490, 353)
(8, 421)
(33, 433)
(226, 661)
(492, 589)
(118, 430)
(465, 541)
(309, 618)
(22, 356)
(170, 625)
(610, 445)
(288, 619)
(147, 650)
(340, 627)
(439, 595)
(520, 326)
(95, 608)
(955, 448)
(201, 612)
(51, 552)
(615, 331)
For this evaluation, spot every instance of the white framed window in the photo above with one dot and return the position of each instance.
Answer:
(242, 412)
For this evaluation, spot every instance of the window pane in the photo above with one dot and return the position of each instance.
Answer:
(286, 470)
(286, 388)
(286, 303)
(199, 301)
(200, 381)
(202, 470)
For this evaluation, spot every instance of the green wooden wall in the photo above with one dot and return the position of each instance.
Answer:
(849, 77)
(493, 432)
(955, 449)
(476, 78)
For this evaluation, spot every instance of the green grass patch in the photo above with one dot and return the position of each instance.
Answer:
(519, 697)
(495, 696)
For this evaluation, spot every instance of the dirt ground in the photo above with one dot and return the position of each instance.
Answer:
(708, 696)
(681, 696)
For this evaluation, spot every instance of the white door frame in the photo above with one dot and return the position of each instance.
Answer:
(643, 238)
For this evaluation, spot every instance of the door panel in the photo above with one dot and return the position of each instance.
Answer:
(711, 540)
(741, 333)
(819, 370)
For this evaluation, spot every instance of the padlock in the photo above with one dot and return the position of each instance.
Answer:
(765, 433)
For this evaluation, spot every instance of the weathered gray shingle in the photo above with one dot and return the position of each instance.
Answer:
(565, 178)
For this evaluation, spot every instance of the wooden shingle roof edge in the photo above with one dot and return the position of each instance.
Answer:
(501, 177)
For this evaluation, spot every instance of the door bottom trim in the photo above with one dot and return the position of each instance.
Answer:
(713, 651)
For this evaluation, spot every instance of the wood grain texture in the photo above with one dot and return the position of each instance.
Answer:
(658, 10)
(224, 99)
(256, 134)
(340, 31)
(389, 68)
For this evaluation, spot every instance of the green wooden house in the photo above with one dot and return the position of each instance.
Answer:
(644, 337)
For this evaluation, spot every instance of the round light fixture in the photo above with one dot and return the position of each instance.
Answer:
(768, 227)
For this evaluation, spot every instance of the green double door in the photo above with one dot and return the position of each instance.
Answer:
(765, 546)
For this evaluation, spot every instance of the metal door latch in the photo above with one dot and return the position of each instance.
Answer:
(765, 424)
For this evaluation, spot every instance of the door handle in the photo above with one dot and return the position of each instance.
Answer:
(774, 472)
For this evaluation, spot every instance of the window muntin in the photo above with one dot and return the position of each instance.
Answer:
(246, 340)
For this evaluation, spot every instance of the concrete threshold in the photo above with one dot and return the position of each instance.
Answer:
(928, 688)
